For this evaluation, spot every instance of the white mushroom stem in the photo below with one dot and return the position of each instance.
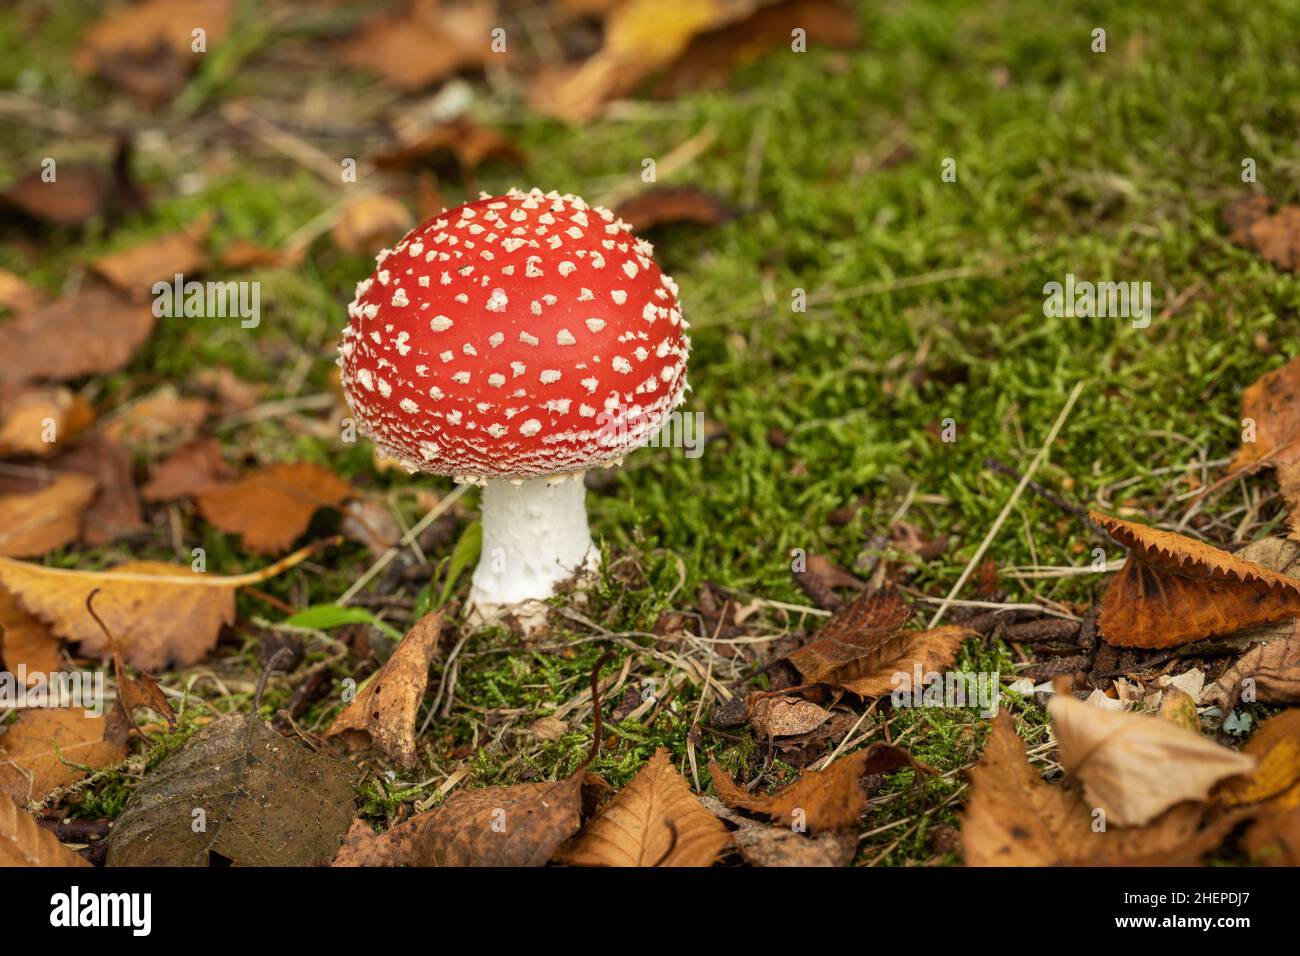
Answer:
(534, 537)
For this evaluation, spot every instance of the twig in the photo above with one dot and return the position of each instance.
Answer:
(1011, 503)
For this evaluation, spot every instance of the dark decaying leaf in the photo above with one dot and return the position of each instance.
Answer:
(265, 800)
(520, 825)
(666, 205)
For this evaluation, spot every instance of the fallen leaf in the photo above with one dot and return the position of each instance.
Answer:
(35, 524)
(664, 205)
(33, 421)
(264, 800)
(1270, 669)
(90, 332)
(243, 253)
(863, 647)
(1135, 766)
(371, 222)
(654, 821)
(192, 469)
(51, 747)
(25, 642)
(785, 716)
(1174, 589)
(231, 393)
(385, 709)
(77, 194)
(159, 617)
(1273, 404)
(1178, 707)
(417, 49)
(1274, 838)
(1275, 746)
(115, 511)
(370, 522)
(147, 48)
(134, 271)
(1274, 235)
(132, 692)
(641, 36)
(712, 56)
(830, 799)
(468, 142)
(17, 295)
(161, 419)
(520, 825)
(24, 842)
(271, 508)
(1013, 818)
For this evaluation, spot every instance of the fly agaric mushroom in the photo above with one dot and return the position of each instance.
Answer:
(515, 342)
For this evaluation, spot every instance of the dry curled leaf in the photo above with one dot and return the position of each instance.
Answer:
(265, 800)
(24, 842)
(1135, 766)
(51, 747)
(830, 799)
(385, 709)
(370, 222)
(785, 716)
(1014, 818)
(1270, 669)
(654, 821)
(1274, 235)
(1174, 589)
(271, 507)
(135, 270)
(520, 825)
(419, 48)
(468, 142)
(194, 468)
(132, 692)
(35, 524)
(863, 647)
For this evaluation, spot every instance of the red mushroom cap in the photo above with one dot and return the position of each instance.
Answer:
(514, 337)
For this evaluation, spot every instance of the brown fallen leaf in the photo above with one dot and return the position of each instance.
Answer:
(89, 332)
(654, 821)
(369, 521)
(17, 295)
(134, 271)
(271, 508)
(711, 57)
(77, 194)
(160, 614)
(243, 253)
(1274, 838)
(35, 524)
(784, 716)
(194, 468)
(1273, 404)
(520, 825)
(1013, 818)
(51, 747)
(1275, 746)
(371, 222)
(830, 799)
(820, 578)
(1270, 670)
(1174, 589)
(24, 842)
(462, 138)
(414, 50)
(148, 48)
(34, 421)
(664, 205)
(384, 711)
(231, 393)
(1275, 235)
(26, 644)
(641, 36)
(162, 419)
(863, 647)
(1134, 766)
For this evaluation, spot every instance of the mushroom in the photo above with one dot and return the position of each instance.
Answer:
(515, 342)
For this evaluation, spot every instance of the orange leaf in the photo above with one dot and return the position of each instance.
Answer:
(1174, 589)
(272, 507)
